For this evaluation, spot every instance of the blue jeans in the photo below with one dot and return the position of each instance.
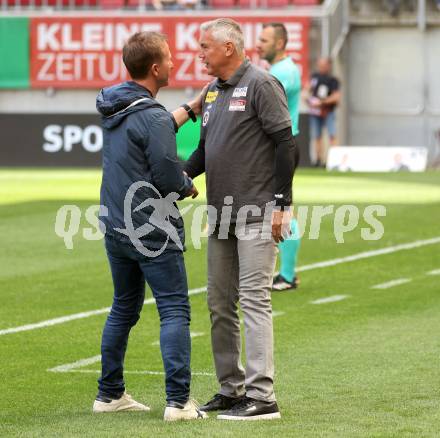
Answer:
(317, 124)
(166, 277)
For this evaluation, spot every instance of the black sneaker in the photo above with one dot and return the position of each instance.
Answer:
(281, 284)
(251, 409)
(220, 402)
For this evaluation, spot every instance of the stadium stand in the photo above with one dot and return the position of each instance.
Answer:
(263, 3)
(139, 3)
(305, 2)
(56, 4)
(111, 4)
(220, 4)
(393, 7)
(149, 4)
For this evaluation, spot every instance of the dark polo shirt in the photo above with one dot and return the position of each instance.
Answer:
(237, 118)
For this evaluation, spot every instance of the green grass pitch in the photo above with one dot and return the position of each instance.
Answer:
(365, 366)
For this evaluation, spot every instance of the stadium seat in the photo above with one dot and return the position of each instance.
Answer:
(53, 3)
(136, 3)
(39, 3)
(222, 4)
(277, 3)
(246, 4)
(86, 3)
(112, 4)
(23, 2)
(263, 3)
(305, 2)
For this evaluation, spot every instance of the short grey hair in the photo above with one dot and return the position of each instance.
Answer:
(225, 29)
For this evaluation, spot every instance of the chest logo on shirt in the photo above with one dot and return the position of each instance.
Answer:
(237, 105)
(240, 92)
(322, 91)
(205, 118)
(211, 96)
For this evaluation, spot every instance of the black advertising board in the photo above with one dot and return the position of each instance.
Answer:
(50, 140)
(71, 140)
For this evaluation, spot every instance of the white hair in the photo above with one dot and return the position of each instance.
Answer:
(224, 30)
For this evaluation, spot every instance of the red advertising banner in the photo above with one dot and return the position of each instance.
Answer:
(85, 52)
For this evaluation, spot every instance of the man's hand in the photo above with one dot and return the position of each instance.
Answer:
(194, 192)
(181, 116)
(281, 225)
(196, 104)
(314, 102)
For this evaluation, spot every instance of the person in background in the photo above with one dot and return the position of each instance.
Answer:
(175, 5)
(166, 5)
(271, 47)
(323, 97)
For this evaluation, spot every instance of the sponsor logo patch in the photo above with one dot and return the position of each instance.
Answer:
(240, 92)
(237, 105)
(205, 118)
(211, 96)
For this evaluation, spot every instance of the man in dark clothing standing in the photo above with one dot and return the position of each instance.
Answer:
(248, 153)
(324, 96)
(143, 231)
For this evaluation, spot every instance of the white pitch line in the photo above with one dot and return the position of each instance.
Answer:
(373, 253)
(141, 372)
(82, 315)
(434, 272)
(68, 367)
(331, 299)
(74, 368)
(55, 321)
(391, 283)
(324, 264)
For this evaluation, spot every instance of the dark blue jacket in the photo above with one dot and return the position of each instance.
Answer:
(139, 147)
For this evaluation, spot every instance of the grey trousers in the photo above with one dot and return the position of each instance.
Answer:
(241, 271)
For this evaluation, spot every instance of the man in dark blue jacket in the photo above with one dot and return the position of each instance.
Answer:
(144, 236)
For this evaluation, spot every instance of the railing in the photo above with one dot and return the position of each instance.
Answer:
(144, 5)
(335, 27)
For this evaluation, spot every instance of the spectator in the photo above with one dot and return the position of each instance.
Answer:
(399, 165)
(323, 97)
(167, 5)
(189, 4)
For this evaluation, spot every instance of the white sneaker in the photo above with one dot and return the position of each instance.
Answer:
(125, 403)
(188, 411)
